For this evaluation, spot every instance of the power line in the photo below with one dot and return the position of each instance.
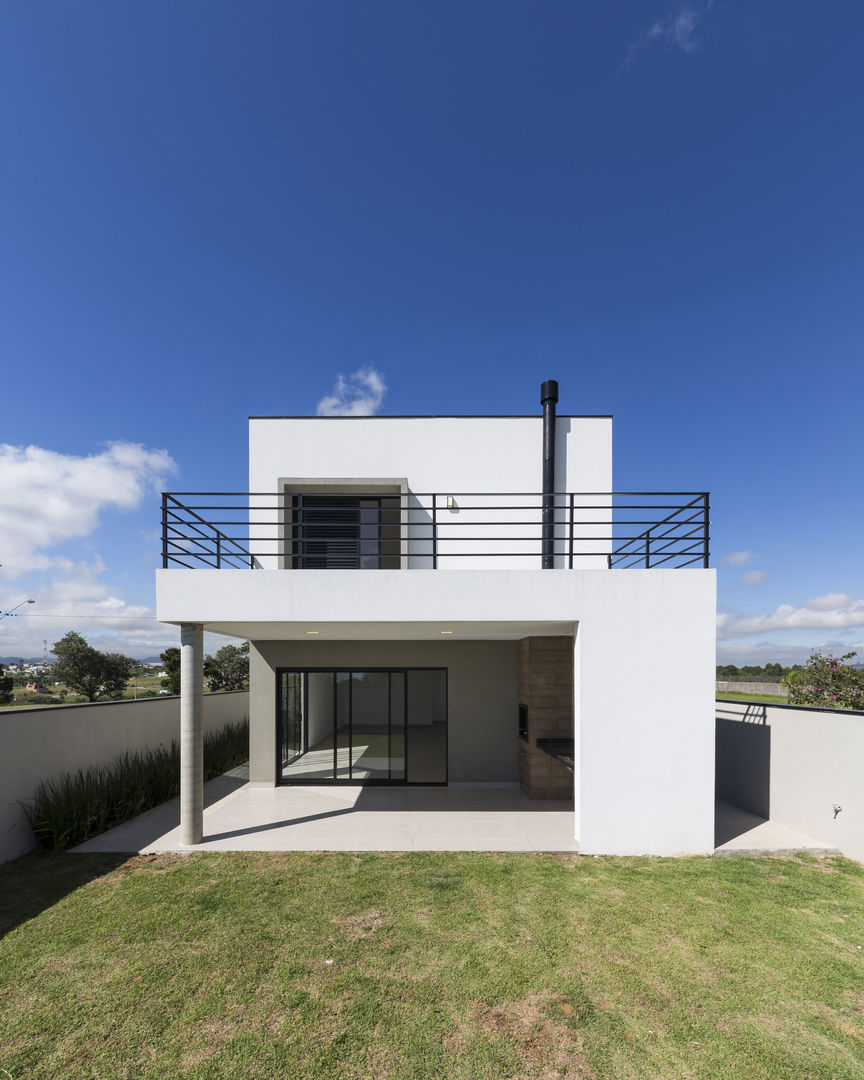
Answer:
(48, 615)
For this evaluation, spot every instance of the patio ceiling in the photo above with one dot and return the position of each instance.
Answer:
(371, 630)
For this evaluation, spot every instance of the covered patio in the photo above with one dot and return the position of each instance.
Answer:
(239, 816)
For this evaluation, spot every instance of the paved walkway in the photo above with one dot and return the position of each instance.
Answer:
(738, 832)
(242, 817)
(239, 816)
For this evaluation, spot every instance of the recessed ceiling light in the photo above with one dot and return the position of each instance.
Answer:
(313, 631)
(446, 631)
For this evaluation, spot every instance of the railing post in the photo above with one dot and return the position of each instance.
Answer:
(705, 509)
(434, 532)
(647, 549)
(572, 515)
(218, 551)
(164, 530)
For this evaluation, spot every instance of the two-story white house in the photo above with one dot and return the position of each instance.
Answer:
(458, 600)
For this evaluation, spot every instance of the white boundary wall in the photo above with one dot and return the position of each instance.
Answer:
(758, 689)
(798, 764)
(42, 743)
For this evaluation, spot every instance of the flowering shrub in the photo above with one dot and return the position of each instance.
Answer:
(827, 681)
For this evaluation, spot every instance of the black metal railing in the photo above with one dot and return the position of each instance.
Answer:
(393, 530)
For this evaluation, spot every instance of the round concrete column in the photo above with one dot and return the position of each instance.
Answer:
(191, 734)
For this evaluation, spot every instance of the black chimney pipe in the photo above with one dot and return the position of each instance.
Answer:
(549, 399)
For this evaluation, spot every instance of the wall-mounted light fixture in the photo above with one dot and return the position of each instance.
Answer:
(312, 631)
(446, 631)
(451, 503)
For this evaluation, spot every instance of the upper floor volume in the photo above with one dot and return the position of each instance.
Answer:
(434, 492)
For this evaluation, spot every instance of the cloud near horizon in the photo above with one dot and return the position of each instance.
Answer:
(80, 601)
(833, 611)
(50, 504)
(360, 394)
(772, 652)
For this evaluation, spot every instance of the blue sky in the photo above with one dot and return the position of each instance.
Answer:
(213, 210)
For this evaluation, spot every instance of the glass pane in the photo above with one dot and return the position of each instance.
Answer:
(343, 725)
(397, 725)
(316, 758)
(427, 727)
(292, 716)
(369, 725)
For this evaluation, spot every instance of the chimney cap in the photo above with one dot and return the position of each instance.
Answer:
(549, 391)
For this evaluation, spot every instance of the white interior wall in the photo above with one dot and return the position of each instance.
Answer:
(319, 708)
(368, 704)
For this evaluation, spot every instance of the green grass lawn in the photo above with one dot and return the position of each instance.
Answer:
(431, 966)
(771, 699)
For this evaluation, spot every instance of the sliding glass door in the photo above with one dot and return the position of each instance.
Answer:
(362, 726)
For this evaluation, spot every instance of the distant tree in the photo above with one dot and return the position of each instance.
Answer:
(6, 685)
(171, 659)
(87, 671)
(827, 682)
(229, 668)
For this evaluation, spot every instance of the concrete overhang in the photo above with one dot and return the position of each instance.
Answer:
(390, 631)
(418, 604)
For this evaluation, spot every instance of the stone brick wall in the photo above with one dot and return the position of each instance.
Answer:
(546, 688)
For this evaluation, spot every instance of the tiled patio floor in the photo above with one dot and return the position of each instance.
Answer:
(242, 817)
(239, 816)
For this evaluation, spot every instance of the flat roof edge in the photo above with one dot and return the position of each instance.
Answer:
(447, 416)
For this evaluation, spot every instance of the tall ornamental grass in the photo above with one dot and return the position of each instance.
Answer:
(82, 804)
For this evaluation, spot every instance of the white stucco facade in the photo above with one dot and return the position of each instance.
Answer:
(483, 465)
(642, 639)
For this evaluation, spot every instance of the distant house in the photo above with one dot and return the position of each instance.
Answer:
(37, 688)
(459, 600)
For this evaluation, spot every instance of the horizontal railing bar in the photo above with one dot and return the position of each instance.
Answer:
(420, 540)
(425, 524)
(474, 555)
(474, 507)
(421, 520)
(661, 536)
(426, 494)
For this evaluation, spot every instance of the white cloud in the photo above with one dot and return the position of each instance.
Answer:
(83, 603)
(830, 601)
(47, 497)
(360, 394)
(754, 577)
(832, 611)
(79, 601)
(737, 558)
(675, 31)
